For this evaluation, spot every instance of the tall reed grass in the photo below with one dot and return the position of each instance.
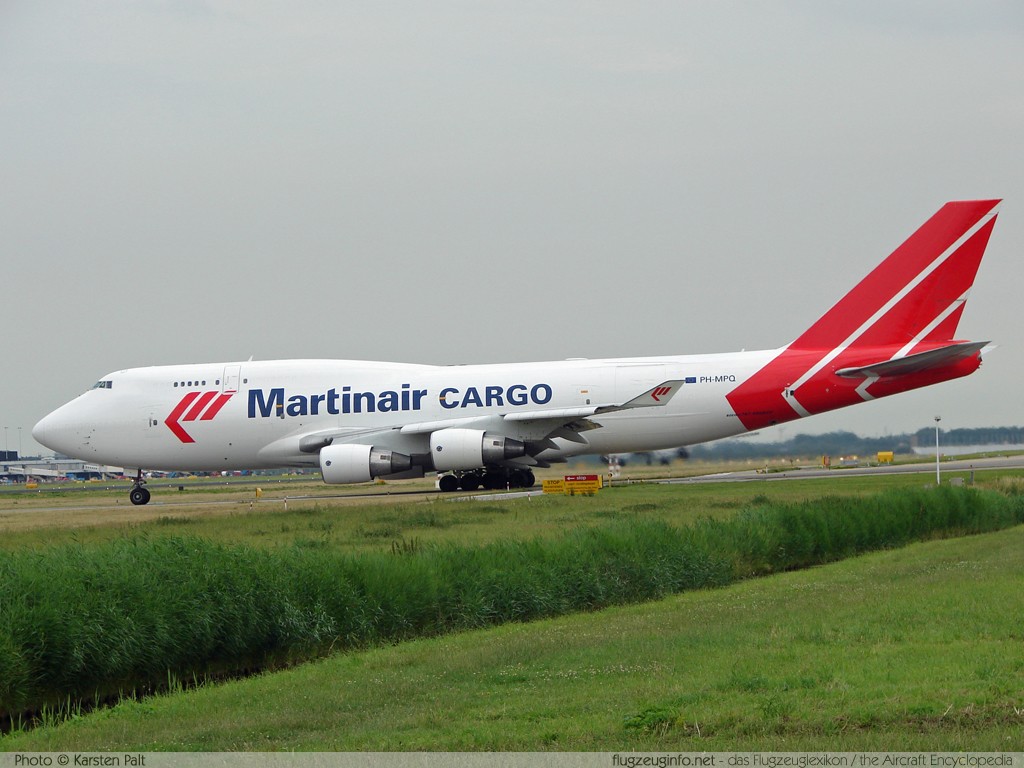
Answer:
(81, 623)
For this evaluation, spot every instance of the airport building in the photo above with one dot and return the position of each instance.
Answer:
(16, 470)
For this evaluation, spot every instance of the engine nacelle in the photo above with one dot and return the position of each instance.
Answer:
(358, 463)
(471, 448)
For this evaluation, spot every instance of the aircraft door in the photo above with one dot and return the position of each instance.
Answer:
(232, 375)
(593, 386)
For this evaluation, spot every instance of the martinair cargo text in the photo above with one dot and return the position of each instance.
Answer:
(489, 425)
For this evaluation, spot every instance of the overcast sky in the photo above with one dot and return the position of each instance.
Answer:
(460, 182)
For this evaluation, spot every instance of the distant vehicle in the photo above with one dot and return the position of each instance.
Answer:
(663, 457)
(491, 425)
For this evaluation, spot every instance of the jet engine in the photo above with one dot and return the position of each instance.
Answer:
(349, 463)
(471, 448)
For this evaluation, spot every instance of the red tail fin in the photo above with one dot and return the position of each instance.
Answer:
(909, 304)
(919, 291)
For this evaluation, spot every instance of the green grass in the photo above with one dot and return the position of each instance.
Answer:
(910, 649)
(356, 525)
(84, 622)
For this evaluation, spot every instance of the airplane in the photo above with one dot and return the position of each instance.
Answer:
(492, 425)
(663, 456)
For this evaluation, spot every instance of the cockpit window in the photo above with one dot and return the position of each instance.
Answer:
(103, 385)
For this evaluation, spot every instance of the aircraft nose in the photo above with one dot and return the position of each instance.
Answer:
(55, 432)
(42, 430)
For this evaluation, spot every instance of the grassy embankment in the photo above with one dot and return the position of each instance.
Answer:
(81, 621)
(911, 649)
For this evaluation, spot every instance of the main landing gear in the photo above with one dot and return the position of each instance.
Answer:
(491, 479)
(139, 495)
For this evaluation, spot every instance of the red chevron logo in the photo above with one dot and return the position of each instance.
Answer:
(195, 405)
(660, 392)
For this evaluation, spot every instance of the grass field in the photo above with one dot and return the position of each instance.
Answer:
(915, 648)
(912, 649)
(348, 519)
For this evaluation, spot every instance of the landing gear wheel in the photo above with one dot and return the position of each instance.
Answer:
(523, 478)
(448, 483)
(469, 482)
(139, 495)
(494, 481)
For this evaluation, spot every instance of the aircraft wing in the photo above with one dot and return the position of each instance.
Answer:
(652, 398)
(922, 361)
(536, 426)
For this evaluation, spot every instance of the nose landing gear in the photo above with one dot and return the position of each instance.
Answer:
(138, 495)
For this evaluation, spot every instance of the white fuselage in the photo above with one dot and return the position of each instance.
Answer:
(140, 418)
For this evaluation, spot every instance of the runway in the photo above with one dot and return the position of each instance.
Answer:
(169, 501)
(797, 473)
(807, 472)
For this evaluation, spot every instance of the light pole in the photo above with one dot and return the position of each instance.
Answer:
(19, 443)
(938, 480)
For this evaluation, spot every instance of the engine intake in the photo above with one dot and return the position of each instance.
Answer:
(358, 463)
(471, 448)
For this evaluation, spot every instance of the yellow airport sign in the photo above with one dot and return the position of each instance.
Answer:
(573, 484)
(553, 486)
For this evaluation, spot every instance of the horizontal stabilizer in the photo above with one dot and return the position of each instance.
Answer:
(922, 361)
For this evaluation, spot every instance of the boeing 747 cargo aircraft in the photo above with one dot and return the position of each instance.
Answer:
(489, 425)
